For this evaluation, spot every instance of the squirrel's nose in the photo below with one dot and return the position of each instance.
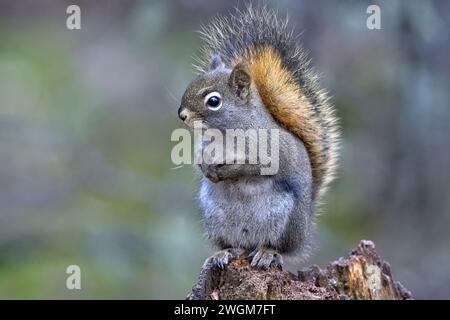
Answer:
(182, 113)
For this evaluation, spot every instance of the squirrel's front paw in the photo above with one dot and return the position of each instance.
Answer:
(219, 172)
(265, 258)
(211, 171)
(223, 257)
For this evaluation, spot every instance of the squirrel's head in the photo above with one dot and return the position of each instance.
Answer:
(222, 98)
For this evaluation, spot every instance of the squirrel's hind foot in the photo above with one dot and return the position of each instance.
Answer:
(223, 257)
(265, 258)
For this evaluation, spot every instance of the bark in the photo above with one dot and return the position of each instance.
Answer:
(361, 275)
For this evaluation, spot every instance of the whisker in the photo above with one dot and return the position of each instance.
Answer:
(172, 95)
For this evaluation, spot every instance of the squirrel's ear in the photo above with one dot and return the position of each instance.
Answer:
(240, 81)
(216, 62)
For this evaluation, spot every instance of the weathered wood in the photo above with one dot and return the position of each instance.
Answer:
(361, 275)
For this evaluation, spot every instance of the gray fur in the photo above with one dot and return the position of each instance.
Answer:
(253, 212)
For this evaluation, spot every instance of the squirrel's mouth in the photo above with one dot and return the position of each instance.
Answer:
(190, 122)
(196, 122)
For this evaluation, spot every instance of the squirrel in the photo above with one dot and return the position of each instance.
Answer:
(253, 73)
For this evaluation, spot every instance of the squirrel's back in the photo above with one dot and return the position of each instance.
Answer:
(286, 83)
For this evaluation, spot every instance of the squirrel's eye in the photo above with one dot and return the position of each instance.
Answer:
(213, 101)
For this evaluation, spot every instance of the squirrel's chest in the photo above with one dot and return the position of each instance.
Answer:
(245, 214)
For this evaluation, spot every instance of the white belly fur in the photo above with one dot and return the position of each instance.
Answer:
(247, 213)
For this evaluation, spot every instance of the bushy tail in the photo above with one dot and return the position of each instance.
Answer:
(285, 81)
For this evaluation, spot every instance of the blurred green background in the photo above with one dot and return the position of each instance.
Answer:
(86, 116)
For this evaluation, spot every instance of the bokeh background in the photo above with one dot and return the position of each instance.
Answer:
(85, 123)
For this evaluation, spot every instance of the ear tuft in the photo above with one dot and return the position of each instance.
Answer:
(216, 62)
(240, 81)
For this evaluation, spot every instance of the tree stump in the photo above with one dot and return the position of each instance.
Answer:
(361, 275)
